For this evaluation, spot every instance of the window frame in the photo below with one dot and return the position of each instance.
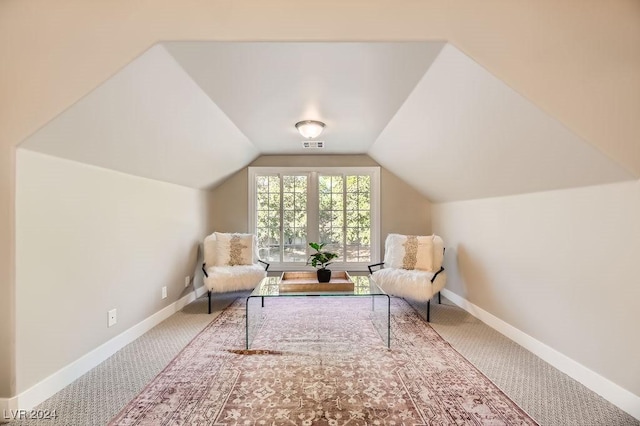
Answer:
(312, 209)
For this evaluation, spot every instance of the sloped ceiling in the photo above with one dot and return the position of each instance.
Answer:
(192, 113)
(149, 120)
(463, 134)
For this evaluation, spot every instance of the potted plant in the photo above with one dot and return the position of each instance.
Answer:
(320, 260)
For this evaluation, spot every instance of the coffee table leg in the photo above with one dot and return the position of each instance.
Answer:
(388, 321)
(253, 318)
(246, 324)
(381, 316)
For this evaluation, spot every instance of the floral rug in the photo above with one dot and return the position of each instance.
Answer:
(320, 361)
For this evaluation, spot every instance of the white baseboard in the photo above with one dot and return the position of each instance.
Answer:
(610, 391)
(63, 377)
(200, 291)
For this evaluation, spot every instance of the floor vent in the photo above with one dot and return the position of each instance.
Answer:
(312, 144)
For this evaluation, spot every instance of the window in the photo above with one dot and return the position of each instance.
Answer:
(289, 207)
(281, 212)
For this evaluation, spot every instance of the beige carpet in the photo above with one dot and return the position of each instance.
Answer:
(549, 396)
(320, 361)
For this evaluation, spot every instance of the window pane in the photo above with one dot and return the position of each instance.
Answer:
(336, 201)
(288, 183)
(358, 216)
(274, 183)
(301, 201)
(336, 184)
(363, 201)
(324, 184)
(325, 202)
(262, 182)
(352, 201)
(288, 219)
(365, 237)
(274, 201)
(262, 200)
(281, 219)
(268, 217)
(331, 213)
(287, 200)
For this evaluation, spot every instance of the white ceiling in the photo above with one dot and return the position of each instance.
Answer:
(265, 88)
(192, 113)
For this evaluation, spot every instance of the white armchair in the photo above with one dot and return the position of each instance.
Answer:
(412, 268)
(231, 263)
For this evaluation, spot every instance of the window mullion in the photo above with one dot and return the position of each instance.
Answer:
(281, 249)
(313, 206)
(344, 216)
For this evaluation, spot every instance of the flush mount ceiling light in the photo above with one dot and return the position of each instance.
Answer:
(310, 128)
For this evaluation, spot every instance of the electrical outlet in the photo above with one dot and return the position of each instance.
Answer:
(164, 292)
(187, 281)
(112, 318)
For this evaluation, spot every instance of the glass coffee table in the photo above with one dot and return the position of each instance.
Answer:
(362, 287)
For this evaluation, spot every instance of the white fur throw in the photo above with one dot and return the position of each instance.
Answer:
(411, 284)
(222, 279)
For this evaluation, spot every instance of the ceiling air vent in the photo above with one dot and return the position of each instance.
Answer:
(312, 144)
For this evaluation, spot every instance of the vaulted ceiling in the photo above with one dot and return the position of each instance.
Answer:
(192, 113)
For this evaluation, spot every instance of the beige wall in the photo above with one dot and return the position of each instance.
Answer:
(89, 240)
(561, 266)
(402, 208)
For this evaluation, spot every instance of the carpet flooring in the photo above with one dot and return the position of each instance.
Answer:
(549, 396)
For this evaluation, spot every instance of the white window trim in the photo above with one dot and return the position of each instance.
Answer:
(375, 210)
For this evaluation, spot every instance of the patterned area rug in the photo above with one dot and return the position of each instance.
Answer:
(320, 361)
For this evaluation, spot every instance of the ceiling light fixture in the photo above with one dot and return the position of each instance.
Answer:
(310, 128)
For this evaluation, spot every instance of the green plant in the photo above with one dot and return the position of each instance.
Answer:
(320, 259)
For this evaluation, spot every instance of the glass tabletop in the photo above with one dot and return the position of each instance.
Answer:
(362, 286)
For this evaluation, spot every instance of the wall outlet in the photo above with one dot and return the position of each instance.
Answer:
(187, 281)
(112, 318)
(164, 292)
